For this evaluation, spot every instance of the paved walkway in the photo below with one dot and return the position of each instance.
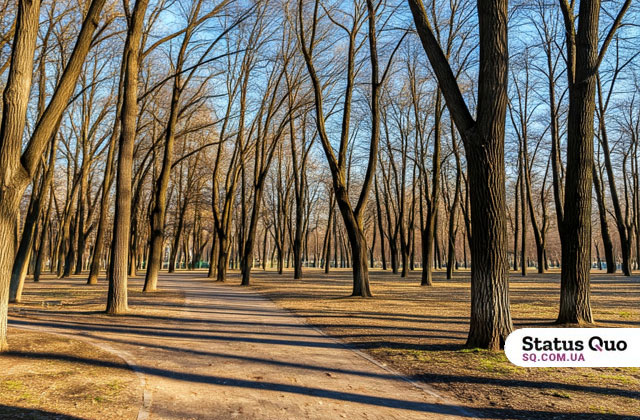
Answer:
(230, 353)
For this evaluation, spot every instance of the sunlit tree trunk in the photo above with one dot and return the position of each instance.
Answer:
(583, 58)
(483, 138)
(117, 301)
(17, 167)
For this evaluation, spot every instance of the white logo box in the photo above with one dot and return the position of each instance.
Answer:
(574, 347)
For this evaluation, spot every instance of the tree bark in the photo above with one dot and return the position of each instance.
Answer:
(158, 213)
(490, 321)
(575, 231)
(523, 210)
(17, 170)
(45, 231)
(383, 256)
(98, 247)
(24, 253)
(607, 243)
(622, 222)
(117, 299)
(516, 224)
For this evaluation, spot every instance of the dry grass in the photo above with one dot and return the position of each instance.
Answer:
(53, 377)
(72, 294)
(421, 332)
(43, 378)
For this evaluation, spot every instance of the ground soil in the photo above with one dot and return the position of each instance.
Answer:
(52, 376)
(421, 331)
(208, 348)
(41, 378)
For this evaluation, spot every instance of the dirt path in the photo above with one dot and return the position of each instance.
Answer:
(231, 353)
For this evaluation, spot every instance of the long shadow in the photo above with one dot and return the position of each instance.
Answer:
(204, 334)
(174, 320)
(274, 362)
(443, 409)
(198, 333)
(227, 336)
(248, 323)
(510, 413)
(10, 412)
(223, 309)
(171, 334)
(399, 318)
(607, 321)
(396, 345)
(436, 377)
(447, 409)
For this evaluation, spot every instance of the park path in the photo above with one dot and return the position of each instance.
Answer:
(230, 353)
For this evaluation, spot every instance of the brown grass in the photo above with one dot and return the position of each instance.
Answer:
(41, 378)
(44, 376)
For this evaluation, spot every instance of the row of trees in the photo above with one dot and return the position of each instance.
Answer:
(252, 134)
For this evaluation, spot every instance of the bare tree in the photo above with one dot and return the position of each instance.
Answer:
(583, 57)
(117, 300)
(351, 216)
(18, 168)
(483, 139)
(157, 219)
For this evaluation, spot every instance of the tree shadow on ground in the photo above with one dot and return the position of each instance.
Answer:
(10, 412)
(435, 378)
(436, 408)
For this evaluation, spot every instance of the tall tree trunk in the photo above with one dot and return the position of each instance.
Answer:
(117, 300)
(263, 259)
(380, 226)
(98, 247)
(607, 243)
(427, 253)
(158, 213)
(490, 321)
(453, 229)
(251, 235)
(213, 257)
(352, 217)
(223, 257)
(429, 236)
(81, 238)
(43, 236)
(373, 245)
(70, 245)
(523, 210)
(175, 248)
(133, 258)
(575, 231)
(327, 252)
(516, 224)
(18, 168)
(25, 247)
(621, 221)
